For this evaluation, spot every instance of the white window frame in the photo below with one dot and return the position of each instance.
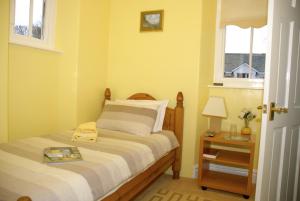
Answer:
(219, 61)
(48, 41)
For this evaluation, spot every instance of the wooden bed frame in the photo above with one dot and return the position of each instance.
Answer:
(173, 121)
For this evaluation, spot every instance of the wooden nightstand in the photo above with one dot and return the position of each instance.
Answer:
(237, 158)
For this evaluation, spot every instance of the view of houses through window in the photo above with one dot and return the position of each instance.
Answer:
(245, 52)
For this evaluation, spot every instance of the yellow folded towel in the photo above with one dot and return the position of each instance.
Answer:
(86, 132)
(88, 127)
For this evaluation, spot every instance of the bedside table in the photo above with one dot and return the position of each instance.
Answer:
(224, 181)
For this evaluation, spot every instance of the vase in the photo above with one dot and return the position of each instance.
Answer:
(246, 131)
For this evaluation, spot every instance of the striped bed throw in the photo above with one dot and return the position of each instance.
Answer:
(111, 161)
(135, 120)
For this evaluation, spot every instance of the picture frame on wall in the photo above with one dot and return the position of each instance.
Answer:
(152, 20)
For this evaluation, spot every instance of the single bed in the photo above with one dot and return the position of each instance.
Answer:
(140, 161)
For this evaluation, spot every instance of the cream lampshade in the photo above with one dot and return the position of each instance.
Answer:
(215, 110)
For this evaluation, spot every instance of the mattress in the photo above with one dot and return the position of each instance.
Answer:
(115, 158)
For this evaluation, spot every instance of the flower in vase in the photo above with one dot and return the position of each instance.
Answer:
(247, 116)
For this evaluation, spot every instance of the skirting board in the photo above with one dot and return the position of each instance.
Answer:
(227, 169)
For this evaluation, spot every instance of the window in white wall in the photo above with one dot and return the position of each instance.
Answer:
(245, 52)
(33, 23)
(241, 43)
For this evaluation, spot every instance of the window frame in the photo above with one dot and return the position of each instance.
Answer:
(48, 40)
(219, 60)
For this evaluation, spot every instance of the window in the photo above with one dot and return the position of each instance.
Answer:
(245, 52)
(32, 23)
(241, 43)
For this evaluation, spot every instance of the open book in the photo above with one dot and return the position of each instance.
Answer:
(210, 153)
(61, 154)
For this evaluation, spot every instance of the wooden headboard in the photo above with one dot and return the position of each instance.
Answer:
(173, 118)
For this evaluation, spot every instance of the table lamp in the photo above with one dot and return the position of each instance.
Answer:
(215, 110)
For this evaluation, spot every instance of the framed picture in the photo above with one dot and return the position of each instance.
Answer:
(152, 20)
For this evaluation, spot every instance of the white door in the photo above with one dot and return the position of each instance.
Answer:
(279, 158)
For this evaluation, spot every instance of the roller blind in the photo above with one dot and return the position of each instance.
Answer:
(244, 13)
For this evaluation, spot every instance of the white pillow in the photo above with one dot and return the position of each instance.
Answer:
(162, 105)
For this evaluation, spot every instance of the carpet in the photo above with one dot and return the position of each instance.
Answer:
(184, 189)
(169, 195)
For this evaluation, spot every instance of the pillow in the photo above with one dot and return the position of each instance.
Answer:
(161, 110)
(120, 102)
(134, 120)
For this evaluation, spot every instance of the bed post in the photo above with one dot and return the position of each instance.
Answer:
(179, 114)
(107, 96)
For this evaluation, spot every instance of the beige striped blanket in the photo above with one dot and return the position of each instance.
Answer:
(112, 160)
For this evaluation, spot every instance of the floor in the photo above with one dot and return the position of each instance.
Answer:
(187, 186)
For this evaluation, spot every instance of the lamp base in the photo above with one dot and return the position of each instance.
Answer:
(215, 124)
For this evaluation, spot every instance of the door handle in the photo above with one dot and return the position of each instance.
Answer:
(278, 110)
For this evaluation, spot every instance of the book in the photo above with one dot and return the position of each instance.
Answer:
(61, 154)
(210, 153)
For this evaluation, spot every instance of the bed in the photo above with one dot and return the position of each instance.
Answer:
(154, 155)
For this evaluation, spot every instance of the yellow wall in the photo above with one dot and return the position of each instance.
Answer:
(53, 91)
(208, 13)
(160, 63)
(67, 35)
(4, 23)
(33, 92)
(92, 65)
(42, 84)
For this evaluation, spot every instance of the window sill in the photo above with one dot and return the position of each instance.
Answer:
(234, 83)
(237, 87)
(41, 47)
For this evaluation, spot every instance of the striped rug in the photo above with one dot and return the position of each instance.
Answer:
(184, 189)
(169, 195)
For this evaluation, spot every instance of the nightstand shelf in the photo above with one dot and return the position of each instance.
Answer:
(231, 158)
(224, 181)
(243, 158)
